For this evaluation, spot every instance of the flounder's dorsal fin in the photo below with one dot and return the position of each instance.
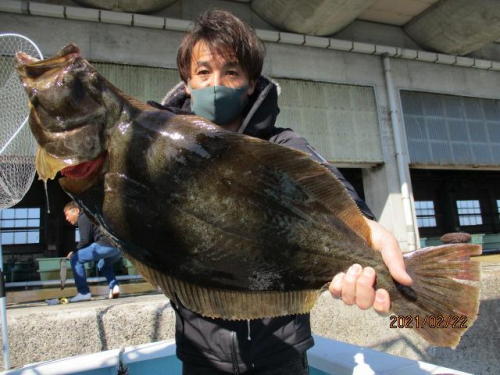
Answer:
(314, 177)
(138, 104)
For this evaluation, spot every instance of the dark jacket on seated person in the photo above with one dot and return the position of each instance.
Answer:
(90, 233)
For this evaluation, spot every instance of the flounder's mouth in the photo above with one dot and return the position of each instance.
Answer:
(85, 169)
(48, 166)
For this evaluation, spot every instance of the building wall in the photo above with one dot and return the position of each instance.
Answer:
(151, 47)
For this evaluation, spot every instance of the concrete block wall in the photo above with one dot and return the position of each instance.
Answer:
(41, 333)
(52, 332)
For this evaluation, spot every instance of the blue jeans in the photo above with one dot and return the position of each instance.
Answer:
(106, 256)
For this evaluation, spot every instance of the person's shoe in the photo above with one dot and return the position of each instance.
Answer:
(115, 292)
(81, 297)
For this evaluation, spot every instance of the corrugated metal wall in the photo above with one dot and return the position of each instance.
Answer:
(340, 121)
(141, 82)
(451, 130)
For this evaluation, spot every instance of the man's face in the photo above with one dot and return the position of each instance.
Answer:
(209, 70)
(71, 216)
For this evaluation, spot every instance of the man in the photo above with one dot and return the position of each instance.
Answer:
(93, 246)
(220, 63)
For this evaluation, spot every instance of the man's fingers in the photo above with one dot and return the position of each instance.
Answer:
(393, 258)
(387, 244)
(382, 303)
(365, 294)
(349, 284)
(335, 287)
(356, 287)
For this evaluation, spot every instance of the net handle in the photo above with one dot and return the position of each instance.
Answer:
(14, 136)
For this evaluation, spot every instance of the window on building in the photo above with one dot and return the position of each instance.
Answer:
(20, 226)
(426, 215)
(469, 213)
(447, 129)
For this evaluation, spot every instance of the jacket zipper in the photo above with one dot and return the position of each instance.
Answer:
(249, 338)
(234, 357)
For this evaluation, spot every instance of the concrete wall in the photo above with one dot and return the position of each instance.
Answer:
(152, 47)
(52, 332)
(358, 30)
(98, 41)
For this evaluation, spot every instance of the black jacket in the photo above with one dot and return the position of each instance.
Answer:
(238, 346)
(90, 233)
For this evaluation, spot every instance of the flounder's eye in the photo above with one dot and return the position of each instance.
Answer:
(33, 96)
(94, 79)
(67, 79)
(73, 87)
(94, 85)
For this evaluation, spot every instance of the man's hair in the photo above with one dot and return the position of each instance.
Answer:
(225, 35)
(71, 206)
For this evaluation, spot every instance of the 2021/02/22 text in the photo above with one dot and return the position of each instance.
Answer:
(430, 321)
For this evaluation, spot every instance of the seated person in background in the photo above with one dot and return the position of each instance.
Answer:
(93, 246)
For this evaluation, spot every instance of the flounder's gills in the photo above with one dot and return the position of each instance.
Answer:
(228, 225)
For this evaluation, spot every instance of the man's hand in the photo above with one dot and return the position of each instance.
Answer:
(356, 286)
(69, 255)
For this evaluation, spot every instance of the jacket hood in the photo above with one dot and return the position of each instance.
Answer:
(259, 115)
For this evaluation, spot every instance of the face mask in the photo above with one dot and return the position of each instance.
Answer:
(219, 104)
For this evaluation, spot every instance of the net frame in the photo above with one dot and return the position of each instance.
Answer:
(17, 144)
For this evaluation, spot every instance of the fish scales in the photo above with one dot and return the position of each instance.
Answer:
(233, 226)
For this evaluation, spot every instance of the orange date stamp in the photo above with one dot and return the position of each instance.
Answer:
(428, 321)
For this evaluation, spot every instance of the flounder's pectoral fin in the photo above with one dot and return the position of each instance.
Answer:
(124, 198)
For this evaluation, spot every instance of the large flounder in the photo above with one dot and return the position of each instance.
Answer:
(232, 226)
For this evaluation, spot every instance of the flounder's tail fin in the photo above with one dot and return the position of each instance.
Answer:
(443, 301)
